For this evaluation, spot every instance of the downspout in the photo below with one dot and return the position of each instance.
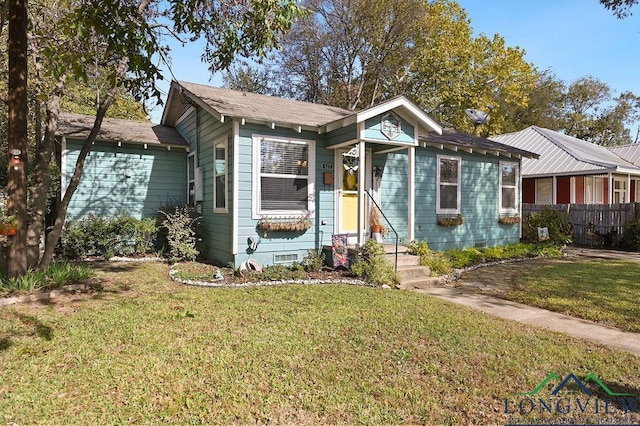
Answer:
(361, 185)
(235, 140)
(412, 196)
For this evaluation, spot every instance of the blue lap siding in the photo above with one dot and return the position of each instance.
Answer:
(127, 179)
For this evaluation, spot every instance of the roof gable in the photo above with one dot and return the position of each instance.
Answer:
(279, 112)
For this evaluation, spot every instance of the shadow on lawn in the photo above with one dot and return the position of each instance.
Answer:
(32, 327)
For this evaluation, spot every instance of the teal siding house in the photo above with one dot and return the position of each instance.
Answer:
(274, 178)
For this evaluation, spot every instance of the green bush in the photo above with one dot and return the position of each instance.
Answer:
(461, 258)
(631, 239)
(180, 226)
(118, 236)
(372, 265)
(282, 272)
(313, 261)
(557, 221)
(438, 263)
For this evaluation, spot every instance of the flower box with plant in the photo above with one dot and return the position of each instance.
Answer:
(292, 224)
(451, 221)
(509, 220)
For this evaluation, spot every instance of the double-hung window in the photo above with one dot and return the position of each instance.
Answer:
(448, 185)
(220, 176)
(508, 187)
(283, 177)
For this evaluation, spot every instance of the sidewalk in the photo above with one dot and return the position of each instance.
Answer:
(575, 327)
(539, 317)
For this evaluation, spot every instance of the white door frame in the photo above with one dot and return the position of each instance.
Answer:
(339, 175)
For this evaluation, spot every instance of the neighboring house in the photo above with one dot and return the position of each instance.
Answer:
(274, 178)
(571, 170)
(630, 153)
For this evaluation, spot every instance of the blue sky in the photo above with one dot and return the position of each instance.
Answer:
(573, 38)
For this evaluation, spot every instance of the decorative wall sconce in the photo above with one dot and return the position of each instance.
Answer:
(15, 161)
(377, 172)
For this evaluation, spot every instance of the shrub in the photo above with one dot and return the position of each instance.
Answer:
(557, 221)
(98, 236)
(438, 263)
(180, 225)
(282, 272)
(462, 258)
(372, 265)
(631, 239)
(313, 261)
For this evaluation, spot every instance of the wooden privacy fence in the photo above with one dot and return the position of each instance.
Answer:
(593, 224)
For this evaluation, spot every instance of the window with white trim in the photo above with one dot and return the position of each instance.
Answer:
(191, 179)
(593, 190)
(619, 191)
(544, 191)
(220, 177)
(284, 176)
(508, 187)
(448, 185)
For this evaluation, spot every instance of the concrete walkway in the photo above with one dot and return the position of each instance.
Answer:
(575, 327)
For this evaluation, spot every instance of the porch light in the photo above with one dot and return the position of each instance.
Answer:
(377, 172)
(15, 161)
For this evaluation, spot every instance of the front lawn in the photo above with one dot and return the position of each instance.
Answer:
(147, 350)
(603, 291)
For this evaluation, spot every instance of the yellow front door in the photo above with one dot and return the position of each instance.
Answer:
(347, 184)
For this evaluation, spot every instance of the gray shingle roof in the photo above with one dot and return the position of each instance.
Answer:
(118, 130)
(464, 140)
(563, 155)
(262, 108)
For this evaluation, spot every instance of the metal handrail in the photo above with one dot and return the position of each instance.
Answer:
(388, 223)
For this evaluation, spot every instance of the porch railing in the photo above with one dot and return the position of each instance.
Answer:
(390, 227)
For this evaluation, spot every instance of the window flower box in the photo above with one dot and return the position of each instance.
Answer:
(450, 220)
(509, 220)
(297, 224)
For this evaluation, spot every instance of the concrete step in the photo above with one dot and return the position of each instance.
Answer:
(411, 272)
(421, 283)
(403, 259)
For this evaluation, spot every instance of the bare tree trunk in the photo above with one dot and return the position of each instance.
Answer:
(17, 135)
(42, 177)
(61, 214)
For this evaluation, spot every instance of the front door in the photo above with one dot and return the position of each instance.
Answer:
(347, 175)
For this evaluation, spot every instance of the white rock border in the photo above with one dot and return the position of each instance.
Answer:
(223, 284)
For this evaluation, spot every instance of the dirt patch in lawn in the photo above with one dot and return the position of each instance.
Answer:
(496, 280)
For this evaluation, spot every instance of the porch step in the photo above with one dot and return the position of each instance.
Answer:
(424, 282)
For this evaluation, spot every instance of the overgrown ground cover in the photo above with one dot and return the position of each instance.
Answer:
(607, 292)
(147, 350)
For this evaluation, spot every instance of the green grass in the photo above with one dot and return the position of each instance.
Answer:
(147, 350)
(603, 291)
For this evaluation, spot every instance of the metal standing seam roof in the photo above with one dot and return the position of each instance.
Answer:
(563, 155)
(630, 152)
(118, 130)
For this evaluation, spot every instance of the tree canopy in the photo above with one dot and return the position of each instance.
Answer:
(118, 46)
